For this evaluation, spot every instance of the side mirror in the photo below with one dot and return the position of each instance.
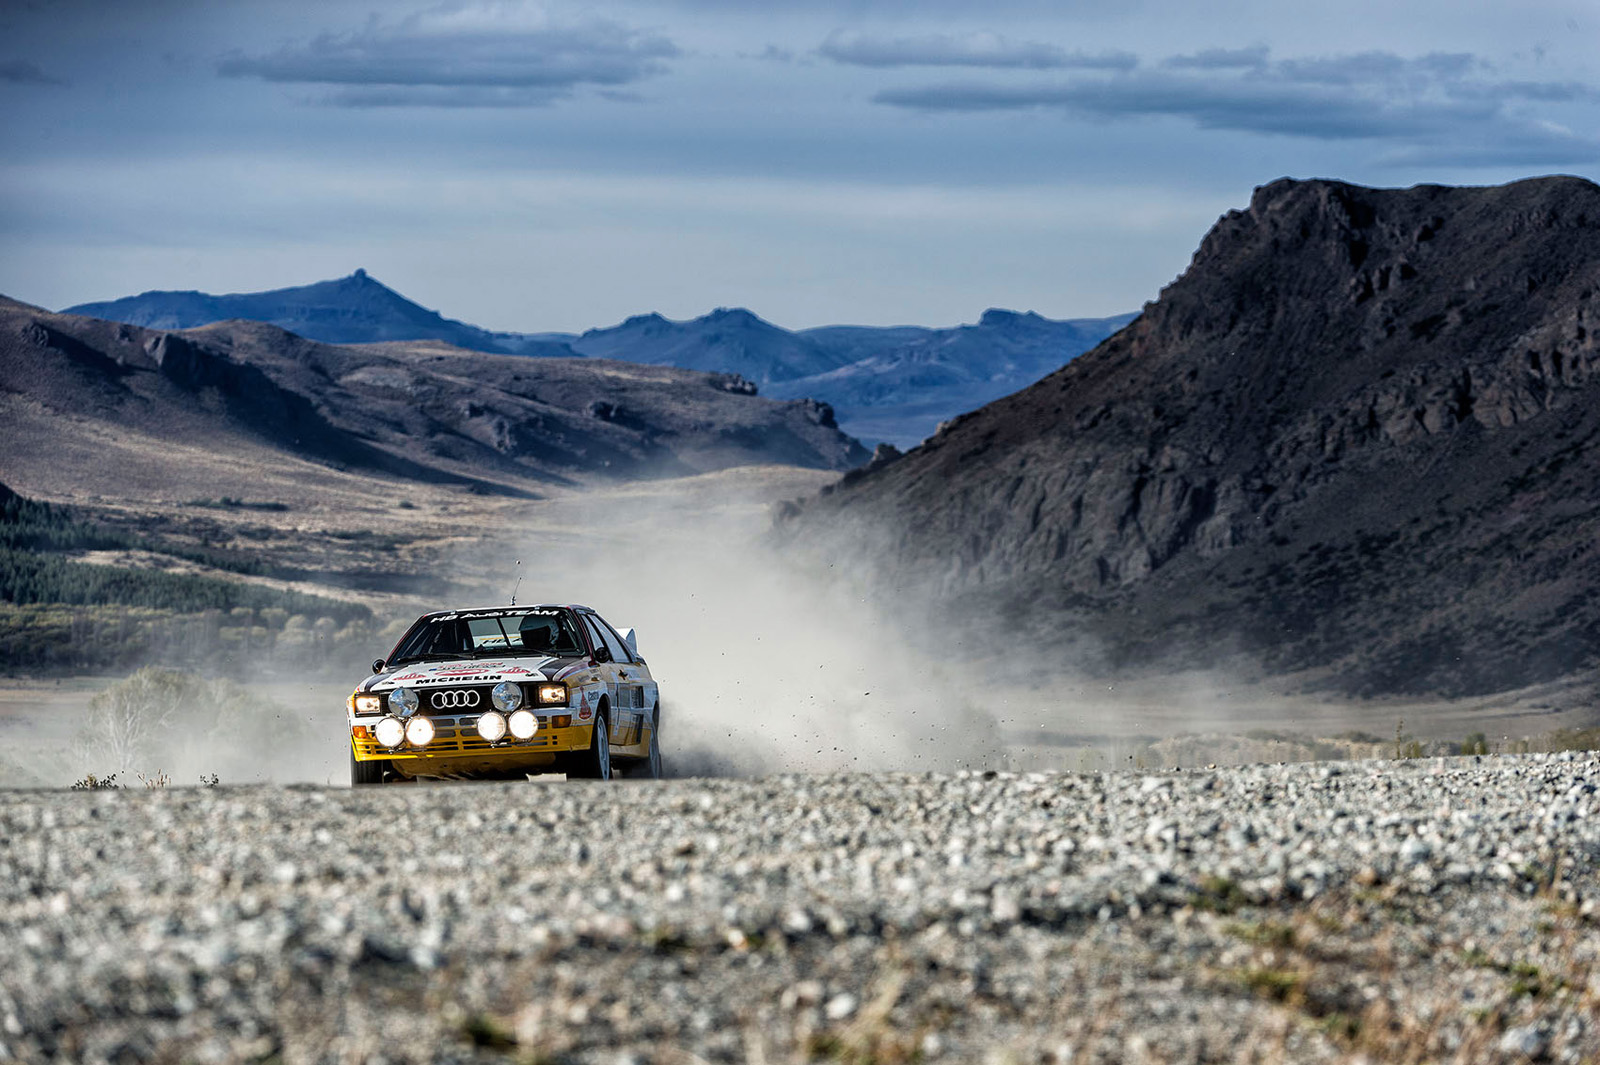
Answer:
(602, 653)
(377, 667)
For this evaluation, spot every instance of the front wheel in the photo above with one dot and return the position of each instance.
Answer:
(595, 763)
(364, 773)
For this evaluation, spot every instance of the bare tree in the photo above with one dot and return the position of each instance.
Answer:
(124, 718)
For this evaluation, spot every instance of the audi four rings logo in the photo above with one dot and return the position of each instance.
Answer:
(454, 699)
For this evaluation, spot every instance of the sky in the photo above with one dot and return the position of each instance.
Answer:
(561, 166)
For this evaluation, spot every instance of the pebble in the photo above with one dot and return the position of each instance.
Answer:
(887, 915)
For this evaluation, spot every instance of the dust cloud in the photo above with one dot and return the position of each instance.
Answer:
(766, 663)
(771, 658)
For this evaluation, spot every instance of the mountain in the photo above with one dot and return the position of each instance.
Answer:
(351, 310)
(729, 340)
(117, 406)
(892, 383)
(896, 383)
(1356, 444)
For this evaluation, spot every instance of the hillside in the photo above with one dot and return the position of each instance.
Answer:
(1355, 442)
(123, 410)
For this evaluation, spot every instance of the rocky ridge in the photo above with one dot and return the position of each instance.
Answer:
(1357, 436)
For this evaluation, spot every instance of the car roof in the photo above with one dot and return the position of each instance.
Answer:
(508, 611)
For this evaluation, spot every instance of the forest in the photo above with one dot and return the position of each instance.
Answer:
(58, 614)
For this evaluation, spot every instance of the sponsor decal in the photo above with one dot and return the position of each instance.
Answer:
(473, 667)
(408, 676)
(585, 714)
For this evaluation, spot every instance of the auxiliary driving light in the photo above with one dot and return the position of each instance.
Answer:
(553, 694)
(402, 702)
(506, 696)
(523, 724)
(492, 726)
(419, 730)
(390, 732)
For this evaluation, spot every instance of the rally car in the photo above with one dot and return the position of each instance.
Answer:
(501, 692)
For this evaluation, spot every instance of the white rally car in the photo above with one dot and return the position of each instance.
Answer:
(505, 691)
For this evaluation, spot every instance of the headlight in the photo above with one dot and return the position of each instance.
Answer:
(492, 726)
(390, 732)
(523, 724)
(507, 696)
(403, 702)
(553, 695)
(419, 730)
(369, 704)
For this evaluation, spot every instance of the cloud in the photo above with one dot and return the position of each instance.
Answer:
(499, 55)
(22, 72)
(1441, 106)
(966, 50)
(1252, 58)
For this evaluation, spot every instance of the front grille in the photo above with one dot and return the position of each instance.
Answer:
(474, 699)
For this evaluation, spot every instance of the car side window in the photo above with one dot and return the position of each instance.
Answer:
(596, 641)
(602, 635)
(615, 641)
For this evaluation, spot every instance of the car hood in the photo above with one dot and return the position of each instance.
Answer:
(469, 671)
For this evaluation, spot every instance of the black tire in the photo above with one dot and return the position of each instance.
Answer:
(649, 767)
(595, 763)
(365, 773)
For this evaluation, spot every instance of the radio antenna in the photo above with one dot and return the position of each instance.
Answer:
(518, 585)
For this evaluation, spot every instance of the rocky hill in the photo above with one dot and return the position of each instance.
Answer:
(1355, 441)
(96, 401)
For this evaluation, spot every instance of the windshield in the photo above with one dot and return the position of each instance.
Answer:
(545, 633)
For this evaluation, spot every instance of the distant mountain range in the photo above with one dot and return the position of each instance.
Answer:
(891, 384)
(105, 408)
(350, 310)
(1356, 444)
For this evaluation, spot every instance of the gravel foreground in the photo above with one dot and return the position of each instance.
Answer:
(1440, 910)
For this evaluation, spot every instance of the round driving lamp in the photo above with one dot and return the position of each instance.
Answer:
(419, 730)
(402, 702)
(523, 724)
(492, 726)
(506, 696)
(390, 732)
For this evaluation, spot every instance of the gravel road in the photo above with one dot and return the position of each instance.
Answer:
(1425, 910)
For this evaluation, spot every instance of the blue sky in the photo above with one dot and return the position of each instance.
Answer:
(539, 166)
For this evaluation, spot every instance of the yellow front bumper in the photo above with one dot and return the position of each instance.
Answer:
(461, 750)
